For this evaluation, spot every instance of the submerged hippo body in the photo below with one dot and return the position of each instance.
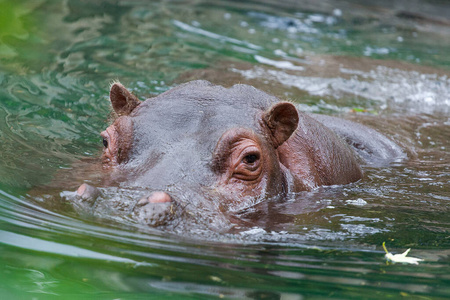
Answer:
(204, 152)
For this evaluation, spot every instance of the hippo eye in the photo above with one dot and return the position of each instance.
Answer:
(249, 167)
(105, 143)
(250, 159)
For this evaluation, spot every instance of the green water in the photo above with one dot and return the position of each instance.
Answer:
(389, 59)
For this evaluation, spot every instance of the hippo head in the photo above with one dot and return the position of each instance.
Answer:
(210, 149)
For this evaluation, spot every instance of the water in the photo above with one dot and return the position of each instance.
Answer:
(385, 65)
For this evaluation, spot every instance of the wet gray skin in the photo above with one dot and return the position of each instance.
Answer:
(205, 153)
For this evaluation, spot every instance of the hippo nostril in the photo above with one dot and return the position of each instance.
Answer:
(81, 189)
(86, 191)
(157, 209)
(159, 197)
(155, 197)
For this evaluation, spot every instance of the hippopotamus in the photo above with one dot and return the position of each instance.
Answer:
(201, 152)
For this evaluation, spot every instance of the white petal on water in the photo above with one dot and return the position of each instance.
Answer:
(402, 258)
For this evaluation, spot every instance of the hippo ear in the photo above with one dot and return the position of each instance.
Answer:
(123, 102)
(282, 121)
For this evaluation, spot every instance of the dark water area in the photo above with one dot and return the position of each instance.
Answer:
(383, 63)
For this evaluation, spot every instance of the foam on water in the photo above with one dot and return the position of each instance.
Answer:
(404, 90)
